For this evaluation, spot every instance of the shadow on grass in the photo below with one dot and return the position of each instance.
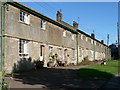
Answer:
(84, 72)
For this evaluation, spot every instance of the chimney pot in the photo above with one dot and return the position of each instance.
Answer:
(75, 25)
(102, 41)
(59, 15)
(92, 35)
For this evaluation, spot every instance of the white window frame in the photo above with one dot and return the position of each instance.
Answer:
(60, 53)
(73, 53)
(86, 39)
(94, 42)
(81, 37)
(50, 52)
(43, 24)
(73, 37)
(23, 47)
(91, 41)
(64, 33)
(24, 17)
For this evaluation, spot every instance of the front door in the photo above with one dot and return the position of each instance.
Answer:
(42, 52)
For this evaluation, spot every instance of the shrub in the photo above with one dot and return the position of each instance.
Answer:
(4, 85)
(39, 64)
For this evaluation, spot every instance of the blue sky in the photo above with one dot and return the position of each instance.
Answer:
(101, 17)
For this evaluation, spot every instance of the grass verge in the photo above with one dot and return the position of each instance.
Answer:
(108, 70)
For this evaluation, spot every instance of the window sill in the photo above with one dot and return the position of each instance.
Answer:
(23, 23)
(43, 29)
(64, 36)
(22, 54)
(73, 58)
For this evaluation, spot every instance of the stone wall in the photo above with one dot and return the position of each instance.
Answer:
(52, 36)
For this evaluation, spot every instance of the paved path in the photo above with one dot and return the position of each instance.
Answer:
(59, 77)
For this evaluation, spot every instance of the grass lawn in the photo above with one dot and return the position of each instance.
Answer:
(0, 76)
(108, 70)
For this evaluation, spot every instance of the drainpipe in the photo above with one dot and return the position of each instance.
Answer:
(2, 34)
(94, 49)
(2, 38)
(77, 46)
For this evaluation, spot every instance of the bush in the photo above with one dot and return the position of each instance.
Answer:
(86, 58)
(39, 64)
(4, 85)
(85, 61)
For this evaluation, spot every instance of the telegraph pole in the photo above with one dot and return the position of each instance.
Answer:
(108, 40)
(118, 30)
(107, 49)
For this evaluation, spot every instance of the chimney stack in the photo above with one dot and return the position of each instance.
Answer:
(59, 15)
(75, 25)
(92, 35)
(102, 41)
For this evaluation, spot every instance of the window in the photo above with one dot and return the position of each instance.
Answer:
(91, 41)
(73, 37)
(80, 52)
(95, 42)
(73, 53)
(64, 33)
(92, 52)
(60, 53)
(82, 37)
(41, 50)
(50, 51)
(43, 24)
(86, 39)
(65, 53)
(24, 17)
(23, 47)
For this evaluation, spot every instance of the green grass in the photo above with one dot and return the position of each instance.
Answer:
(108, 70)
(0, 76)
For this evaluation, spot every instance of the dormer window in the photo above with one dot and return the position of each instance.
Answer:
(82, 37)
(64, 33)
(73, 36)
(43, 24)
(86, 39)
(91, 41)
(95, 42)
(24, 17)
